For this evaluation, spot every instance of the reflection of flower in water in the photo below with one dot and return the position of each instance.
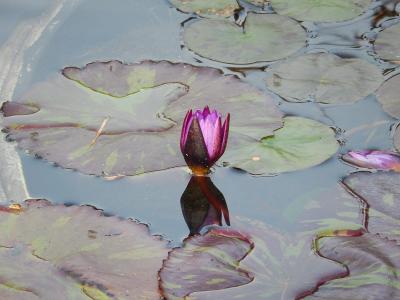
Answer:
(203, 139)
(203, 204)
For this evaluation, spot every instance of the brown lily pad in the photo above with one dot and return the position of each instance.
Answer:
(273, 269)
(118, 119)
(102, 255)
(207, 8)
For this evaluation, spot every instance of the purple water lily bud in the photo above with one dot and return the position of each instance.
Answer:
(374, 159)
(203, 139)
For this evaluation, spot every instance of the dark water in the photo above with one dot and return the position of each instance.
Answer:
(150, 29)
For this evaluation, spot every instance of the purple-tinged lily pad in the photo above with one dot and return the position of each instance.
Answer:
(274, 268)
(301, 143)
(374, 269)
(208, 262)
(320, 10)
(381, 190)
(388, 96)
(118, 119)
(207, 8)
(263, 38)
(118, 257)
(397, 138)
(325, 78)
(374, 159)
(27, 277)
(387, 44)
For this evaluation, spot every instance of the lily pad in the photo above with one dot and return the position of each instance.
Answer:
(397, 138)
(116, 256)
(320, 10)
(388, 96)
(207, 8)
(325, 78)
(300, 144)
(260, 3)
(381, 190)
(27, 277)
(263, 38)
(325, 212)
(118, 119)
(274, 268)
(374, 267)
(387, 44)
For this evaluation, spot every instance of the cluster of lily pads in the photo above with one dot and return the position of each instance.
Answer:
(114, 119)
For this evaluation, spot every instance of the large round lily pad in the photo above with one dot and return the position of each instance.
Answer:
(388, 96)
(263, 37)
(320, 10)
(27, 277)
(273, 269)
(374, 267)
(397, 138)
(103, 255)
(325, 78)
(381, 190)
(300, 144)
(387, 44)
(117, 119)
(207, 8)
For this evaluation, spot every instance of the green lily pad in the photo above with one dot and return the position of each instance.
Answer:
(320, 10)
(397, 138)
(388, 96)
(109, 256)
(374, 267)
(324, 78)
(207, 8)
(300, 144)
(381, 190)
(263, 38)
(273, 268)
(118, 119)
(387, 44)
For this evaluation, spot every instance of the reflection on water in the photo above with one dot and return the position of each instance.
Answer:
(203, 204)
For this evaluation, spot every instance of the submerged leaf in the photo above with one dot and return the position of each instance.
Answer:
(263, 37)
(325, 78)
(300, 144)
(117, 119)
(116, 256)
(397, 138)
(381, 191)
(374, 267)
(387, 44)
(274, 269)
(207, 8)
(388, 96)
(320, 10)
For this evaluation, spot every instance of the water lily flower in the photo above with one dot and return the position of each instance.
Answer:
(374, 159)
(203, 139)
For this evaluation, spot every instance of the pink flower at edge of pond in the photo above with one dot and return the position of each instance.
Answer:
(374, 159)
(203, 138)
